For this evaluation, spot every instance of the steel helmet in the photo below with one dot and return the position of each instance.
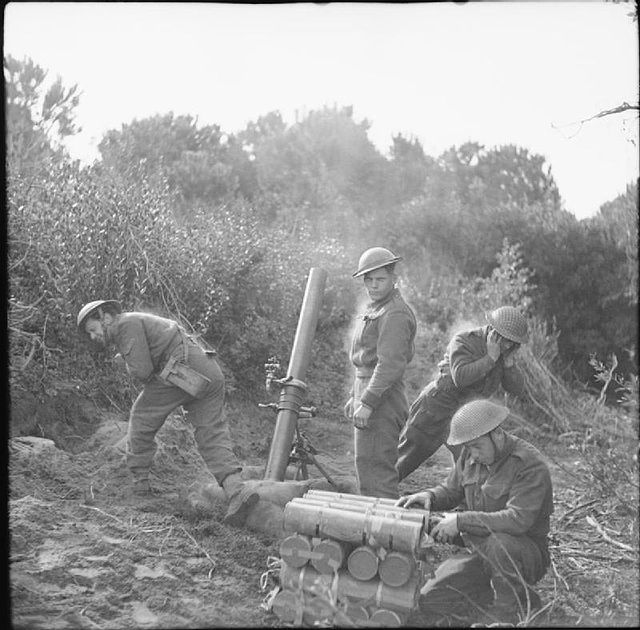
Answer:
(510, 323)
(374, 258)
(474, 419)
(89, 308)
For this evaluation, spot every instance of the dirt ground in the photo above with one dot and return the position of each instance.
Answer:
(85, 554)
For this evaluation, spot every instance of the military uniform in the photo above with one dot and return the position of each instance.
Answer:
(382, 346)
(505, 525)
(466, 372)
(147, 342)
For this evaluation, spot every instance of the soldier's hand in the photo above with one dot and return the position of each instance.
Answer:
(361, 416)
(509, 357)
(348, 409)
(119, 362)
(419, 498)
(447, 529)
(493, 344)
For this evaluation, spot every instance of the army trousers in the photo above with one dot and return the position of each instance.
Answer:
(376, 447)
(211, 431)
(492, 578)
(426, 429)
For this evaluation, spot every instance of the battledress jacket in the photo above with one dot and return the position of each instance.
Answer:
(513, 496)
(383, 345)
(145, 341)
(467, 371)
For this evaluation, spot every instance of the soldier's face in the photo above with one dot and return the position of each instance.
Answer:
(482, 450)
(95, 330)
(379, 283)
(506, 344)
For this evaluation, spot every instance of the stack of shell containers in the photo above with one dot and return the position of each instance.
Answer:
(350, 560)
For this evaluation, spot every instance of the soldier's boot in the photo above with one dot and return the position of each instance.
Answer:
(510, 605)
(241, 499)
(142, 488)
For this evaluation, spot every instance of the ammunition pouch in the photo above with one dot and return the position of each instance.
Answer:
(179, 373)
(184, 377)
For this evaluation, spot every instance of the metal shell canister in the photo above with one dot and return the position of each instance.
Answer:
(353, 527)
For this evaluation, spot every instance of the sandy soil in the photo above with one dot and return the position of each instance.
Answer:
(84, 553)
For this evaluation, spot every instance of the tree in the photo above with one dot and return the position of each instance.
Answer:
(409, 169)
(505, 175)
(38, 118)
(203, 164)
(618, 219)
(322, 170)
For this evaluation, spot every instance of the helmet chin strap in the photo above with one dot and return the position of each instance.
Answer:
(499, 435)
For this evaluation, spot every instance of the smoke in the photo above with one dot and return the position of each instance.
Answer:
(461, 324)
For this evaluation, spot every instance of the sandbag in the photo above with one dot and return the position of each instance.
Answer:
(267, 518)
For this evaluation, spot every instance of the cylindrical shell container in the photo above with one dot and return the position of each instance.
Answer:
(363, 563)
(357, 612)
(329, 555)
(372, 592)
(295, 550)
(386, 618)
(353, 527)
(317, 610)
(396, 568)
(386, 511)
(333, 496)
(286, 605)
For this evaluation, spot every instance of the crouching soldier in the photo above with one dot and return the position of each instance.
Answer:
(175, 371)
(476, 363)
(506, 489)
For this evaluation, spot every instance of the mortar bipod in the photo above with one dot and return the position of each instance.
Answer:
(303, 452)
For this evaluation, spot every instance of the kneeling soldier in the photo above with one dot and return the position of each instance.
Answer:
(477, 362)
(506, 489)
(175, 372)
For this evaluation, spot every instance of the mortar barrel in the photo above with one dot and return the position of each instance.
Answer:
(362, 506)
(353, 527)
(287, 419)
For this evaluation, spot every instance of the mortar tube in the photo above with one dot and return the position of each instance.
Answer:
(292, 394)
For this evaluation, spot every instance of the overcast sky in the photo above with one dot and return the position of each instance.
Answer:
(491, 72)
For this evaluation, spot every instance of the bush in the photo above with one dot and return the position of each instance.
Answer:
(86, 234)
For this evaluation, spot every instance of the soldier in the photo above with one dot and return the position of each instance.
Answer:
(475, 364)
(381, 348)
(506, 489)
(175, 371)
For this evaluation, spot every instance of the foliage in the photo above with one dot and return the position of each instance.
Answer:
(189, 220)
(498, 176)
(618, 219)
(38, 118)
(322, 169)
(219, 274)
(409, 169)
(202, 164)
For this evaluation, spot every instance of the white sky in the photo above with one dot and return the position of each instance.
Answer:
(491, 72)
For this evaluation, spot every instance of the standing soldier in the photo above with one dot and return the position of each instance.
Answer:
(175, 371)
(505, 487)
(475, 364)
(382, 347)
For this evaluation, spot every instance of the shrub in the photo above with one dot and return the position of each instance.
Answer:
(87, 234)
